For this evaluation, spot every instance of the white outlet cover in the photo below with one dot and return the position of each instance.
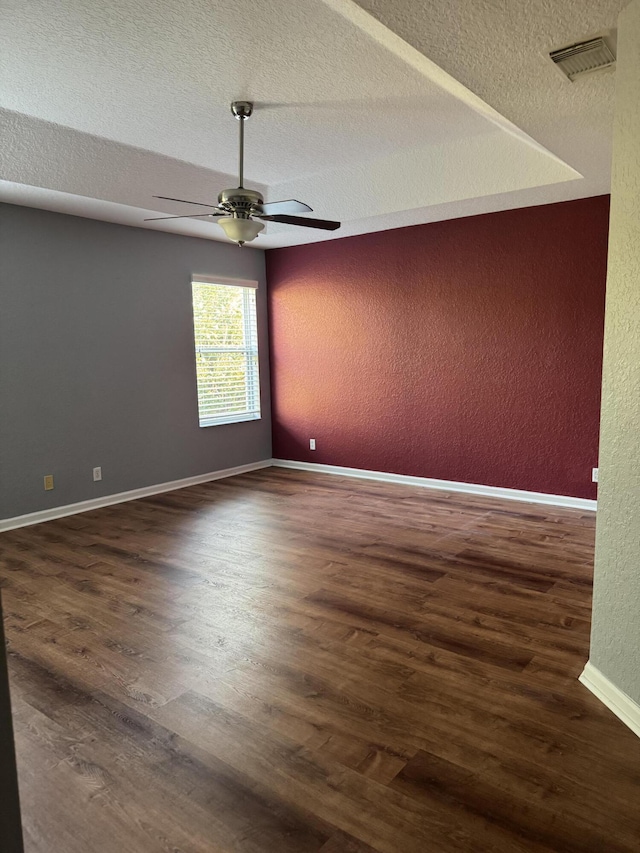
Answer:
(594, 475)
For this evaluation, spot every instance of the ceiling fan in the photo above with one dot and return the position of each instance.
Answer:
(239, 209)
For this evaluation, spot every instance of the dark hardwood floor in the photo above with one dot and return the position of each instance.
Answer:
(297, 663)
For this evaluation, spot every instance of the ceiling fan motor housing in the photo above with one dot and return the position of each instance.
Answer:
(241, 202)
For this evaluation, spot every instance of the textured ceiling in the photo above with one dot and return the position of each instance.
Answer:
(380, 114)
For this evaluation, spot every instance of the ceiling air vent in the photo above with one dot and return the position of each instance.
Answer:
(583, 57)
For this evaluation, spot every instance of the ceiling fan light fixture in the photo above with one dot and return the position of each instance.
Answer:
(240, 230)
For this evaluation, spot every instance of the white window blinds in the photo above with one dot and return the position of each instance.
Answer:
(226, 340)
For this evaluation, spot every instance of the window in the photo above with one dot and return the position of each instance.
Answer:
(226, 338)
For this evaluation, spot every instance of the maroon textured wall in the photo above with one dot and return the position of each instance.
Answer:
(464, 350)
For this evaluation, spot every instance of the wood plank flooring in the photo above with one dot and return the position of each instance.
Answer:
(284, 662)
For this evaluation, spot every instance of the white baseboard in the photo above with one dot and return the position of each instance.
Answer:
(425, 482)
(444, 485)
(622, 705)
(121, 497)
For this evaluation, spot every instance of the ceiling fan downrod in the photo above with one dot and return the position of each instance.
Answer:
(242, 111)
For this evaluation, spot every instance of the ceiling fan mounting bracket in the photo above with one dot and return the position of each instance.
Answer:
(241, 109)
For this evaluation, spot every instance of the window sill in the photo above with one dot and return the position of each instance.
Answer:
(230, 419)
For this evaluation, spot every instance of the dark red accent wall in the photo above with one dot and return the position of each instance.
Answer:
(466, 350)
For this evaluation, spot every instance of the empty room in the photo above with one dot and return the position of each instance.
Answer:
(319, 426)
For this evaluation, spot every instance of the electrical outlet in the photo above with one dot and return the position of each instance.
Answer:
(312, 444)
(594, 475)
(97, 474)
(48, 482)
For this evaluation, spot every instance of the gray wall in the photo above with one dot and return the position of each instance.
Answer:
(615, 642)
(97, 362)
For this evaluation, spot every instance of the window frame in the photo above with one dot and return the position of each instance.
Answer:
(252, 354)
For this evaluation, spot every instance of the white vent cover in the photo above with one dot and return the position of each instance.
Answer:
(583, 57)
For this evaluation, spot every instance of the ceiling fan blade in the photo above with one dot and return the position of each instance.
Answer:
(289, 206)
(184, 201)
(325, 224)
(188, 216)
